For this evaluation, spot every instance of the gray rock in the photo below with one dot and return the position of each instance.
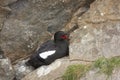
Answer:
(19, 47)
(99, 32)
(31, 21)
(96, 75)
(4, 11)
(21, 69)
(6, 2)
(50, 72)
(6, 70)
(115, 75)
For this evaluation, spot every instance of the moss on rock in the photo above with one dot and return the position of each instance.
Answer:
(106, 66)
(74, 72)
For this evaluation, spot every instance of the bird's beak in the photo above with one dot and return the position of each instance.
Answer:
(67, 37)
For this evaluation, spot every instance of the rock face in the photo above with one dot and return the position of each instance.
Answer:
(50, 72)
(6, 2)
(25, 23)
(31, 21)
(21, 69)
(94, 75)
(4, 11)
(6, 70)
(99, 32)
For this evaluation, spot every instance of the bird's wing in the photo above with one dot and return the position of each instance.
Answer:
(46, 54)
(49, 45)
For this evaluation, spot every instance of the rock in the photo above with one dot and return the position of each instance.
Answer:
(21, 69)
(19, 47)
(99, 32)
(115, 75)
(6, 70)
(31, 22)
(4, 11)
(1, 54)
(6, 2)
(50, 72)
(95, 75)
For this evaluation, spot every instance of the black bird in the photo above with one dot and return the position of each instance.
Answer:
(50, 50)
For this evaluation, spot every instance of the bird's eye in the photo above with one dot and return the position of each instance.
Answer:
(64, 37)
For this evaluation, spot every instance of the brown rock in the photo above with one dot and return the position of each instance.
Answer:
(6, 2)
(99, 32)
(31, 21)
(6, 70)
(96, 75)
(4, 11)
(51, 72)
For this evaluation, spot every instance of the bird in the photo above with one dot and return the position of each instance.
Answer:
(50, 50)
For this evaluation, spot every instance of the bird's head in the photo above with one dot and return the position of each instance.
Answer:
(60, 36)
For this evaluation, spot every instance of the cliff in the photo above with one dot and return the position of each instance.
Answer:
(94, 44)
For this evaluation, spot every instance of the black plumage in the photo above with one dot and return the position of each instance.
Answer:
(60, 45)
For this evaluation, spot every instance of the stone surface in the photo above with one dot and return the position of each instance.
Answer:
(31, 21)
(21, 69)
(50, 72)
(4, 11)
(115, 75)
(6, 70)
(26, 23)
(99, 32)
(6, 2)
(21, 40)
(98, 35)
(53, 71)
(96, 75)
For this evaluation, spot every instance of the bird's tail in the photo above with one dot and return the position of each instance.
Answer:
(28, 63)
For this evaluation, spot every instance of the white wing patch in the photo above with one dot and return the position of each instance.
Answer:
(44, 55)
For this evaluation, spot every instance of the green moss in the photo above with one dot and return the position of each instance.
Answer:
(74, 72)
(104, 65)
(107, 65)
(115, 61)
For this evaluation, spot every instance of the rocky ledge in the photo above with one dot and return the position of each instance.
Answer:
(95, 41)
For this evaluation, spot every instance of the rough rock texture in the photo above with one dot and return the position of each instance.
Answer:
(6, 2)
(4, 11)
(21, 69)
(95, 75)
(31, 21)
(6, 70)
(53, 71)
(99, 32)
(50, 72)
(98, 35)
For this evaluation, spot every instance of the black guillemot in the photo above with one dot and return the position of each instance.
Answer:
(50, 50)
